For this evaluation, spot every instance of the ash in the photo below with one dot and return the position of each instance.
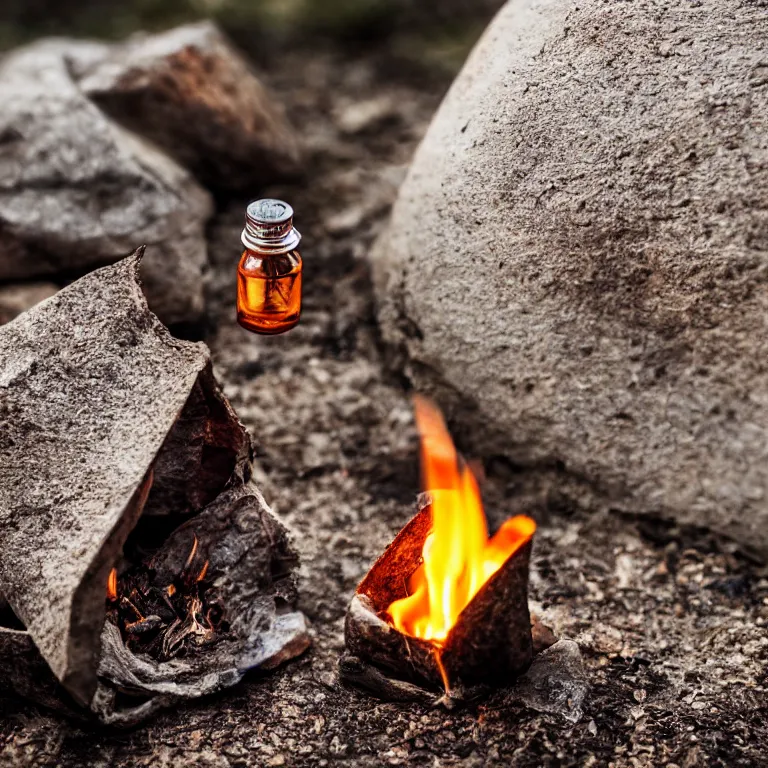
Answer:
(670, 624)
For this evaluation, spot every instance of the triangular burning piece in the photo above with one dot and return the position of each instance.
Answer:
(137, 559)
(445, 606)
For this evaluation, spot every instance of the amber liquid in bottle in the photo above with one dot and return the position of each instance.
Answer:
(269, 291)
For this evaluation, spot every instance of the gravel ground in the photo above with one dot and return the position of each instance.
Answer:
(671, 622)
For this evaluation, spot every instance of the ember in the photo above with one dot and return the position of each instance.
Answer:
(112, 585)
(165, 622)
(458, 558)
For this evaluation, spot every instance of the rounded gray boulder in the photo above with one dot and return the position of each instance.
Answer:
(577, 264)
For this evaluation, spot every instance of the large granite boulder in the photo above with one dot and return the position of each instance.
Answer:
(78, 191)
(577, 261)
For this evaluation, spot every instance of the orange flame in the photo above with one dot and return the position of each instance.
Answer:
(458, 558)
(192, 552)
(112, 585)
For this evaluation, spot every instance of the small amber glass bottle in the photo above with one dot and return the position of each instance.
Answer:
(269, 274)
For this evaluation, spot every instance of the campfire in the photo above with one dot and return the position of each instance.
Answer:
(445, 607)
(457, 558)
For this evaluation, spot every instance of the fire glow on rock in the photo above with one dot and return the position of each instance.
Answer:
(458, 558)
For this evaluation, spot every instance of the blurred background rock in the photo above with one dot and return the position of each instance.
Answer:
(434, 33)
(337, 69)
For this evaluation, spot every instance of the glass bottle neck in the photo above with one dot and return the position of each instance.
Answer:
(259, 242)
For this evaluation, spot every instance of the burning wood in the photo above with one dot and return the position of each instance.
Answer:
(445, 606)
(165, 622)
(136, 557)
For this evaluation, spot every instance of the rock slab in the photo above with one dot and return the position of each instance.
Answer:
(578, 260)
(68, 454)
(191, 93)
(77, 191)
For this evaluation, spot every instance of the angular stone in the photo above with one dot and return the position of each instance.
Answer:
(192, 94)
(556, 682)
(104, 416)
(77, 191)
(576, 265)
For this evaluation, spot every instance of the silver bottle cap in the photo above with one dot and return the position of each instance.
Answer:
(269, 227)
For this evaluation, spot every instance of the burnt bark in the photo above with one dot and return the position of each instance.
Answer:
(490, 644)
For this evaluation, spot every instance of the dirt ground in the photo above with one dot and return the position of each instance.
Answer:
(671, 623)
